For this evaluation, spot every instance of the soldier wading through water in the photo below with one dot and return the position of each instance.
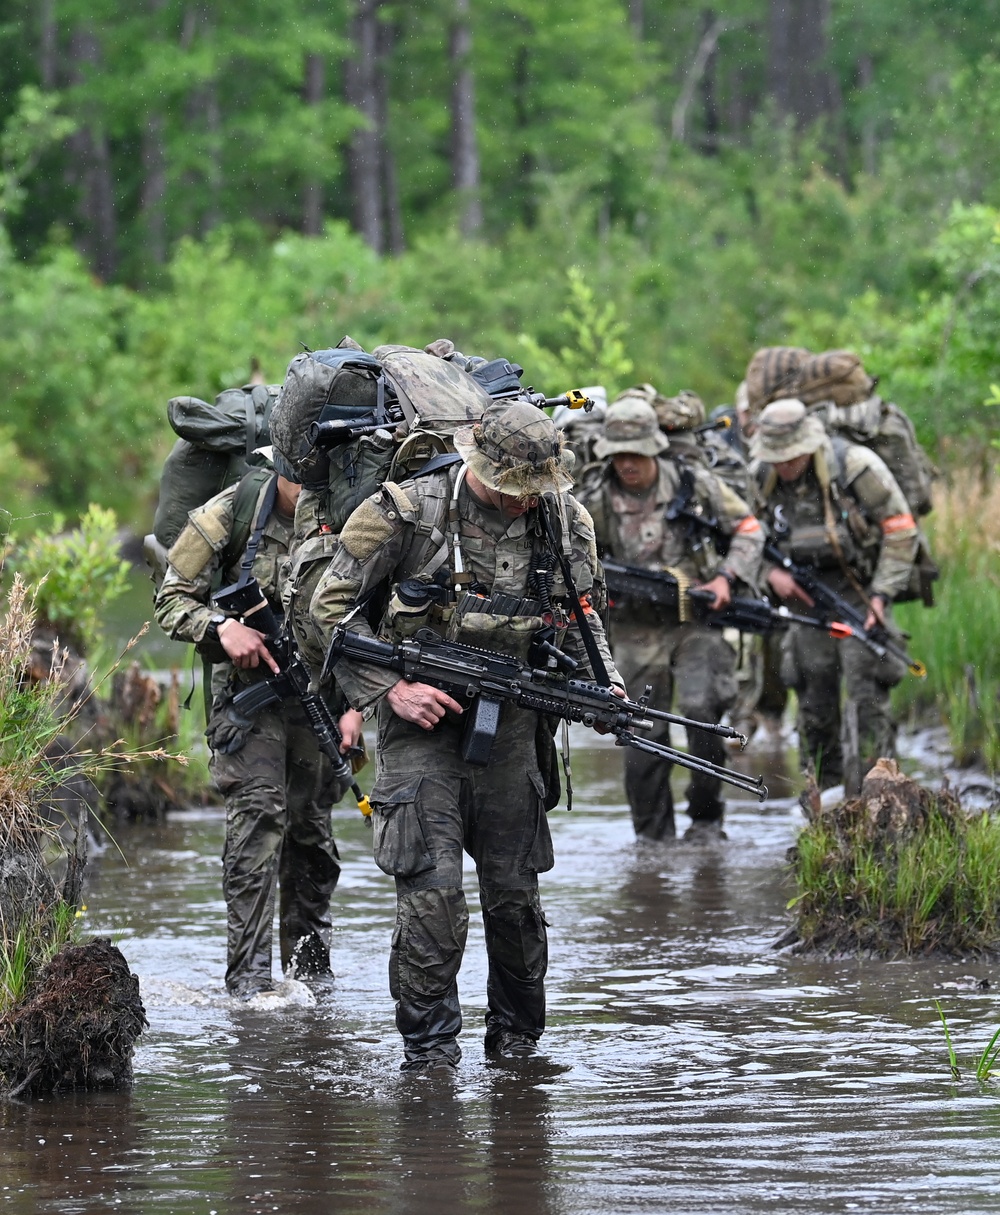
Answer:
(481, 516)
(275, 781)
(834, 506)
(629, 497)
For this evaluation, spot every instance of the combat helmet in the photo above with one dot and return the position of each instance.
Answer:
(515, 449)
(785, 431)
(630, 428)
(685, 411)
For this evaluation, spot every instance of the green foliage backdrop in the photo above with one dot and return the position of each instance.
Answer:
(645, 172)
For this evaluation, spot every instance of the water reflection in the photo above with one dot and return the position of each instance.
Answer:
(689, 1067)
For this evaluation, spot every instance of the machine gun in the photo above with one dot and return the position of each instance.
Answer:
(841, 617)
(484, 680)
(834, 613)
(245, 601)
(663, 590)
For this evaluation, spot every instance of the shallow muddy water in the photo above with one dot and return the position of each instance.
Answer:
(688, 1067)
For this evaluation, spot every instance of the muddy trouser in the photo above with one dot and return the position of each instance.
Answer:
(429, 808)
(277, 826)
(701, 664)
(813, 664)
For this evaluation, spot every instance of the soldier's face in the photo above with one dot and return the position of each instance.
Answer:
(510, 506)
(633, 471)
(791, 470)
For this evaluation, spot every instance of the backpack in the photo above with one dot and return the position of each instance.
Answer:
(410, 403)
(215, 448)
(885, 428)
(436, 398)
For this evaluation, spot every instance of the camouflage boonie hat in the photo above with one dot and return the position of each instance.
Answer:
(785, 431)
(630, 427)
(515, 449)
(682, 412)
(641, 392)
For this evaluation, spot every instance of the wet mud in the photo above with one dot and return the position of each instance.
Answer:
(687, 1068)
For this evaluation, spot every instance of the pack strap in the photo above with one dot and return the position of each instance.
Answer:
(251, 423)
(597, 665)
(444, 459)
(253, 544)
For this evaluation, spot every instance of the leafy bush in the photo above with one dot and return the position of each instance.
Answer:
(74, 575)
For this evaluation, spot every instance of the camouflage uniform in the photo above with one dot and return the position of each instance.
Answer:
(847, 517)
(652, 645)
(276, 786)
(428, 804)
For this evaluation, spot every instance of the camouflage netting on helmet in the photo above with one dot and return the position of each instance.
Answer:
(515, 449)
(685, 411)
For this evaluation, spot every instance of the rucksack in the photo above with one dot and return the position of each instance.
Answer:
(885, 428)
(215, 449)
(402, 405)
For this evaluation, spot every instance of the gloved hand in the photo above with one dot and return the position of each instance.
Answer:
(228, 730)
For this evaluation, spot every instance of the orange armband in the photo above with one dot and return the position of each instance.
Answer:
(898, 523)
(747, 526)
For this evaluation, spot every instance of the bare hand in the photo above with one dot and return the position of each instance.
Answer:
(785, 587)
(420, 704)
(246, 647)
(350, 727)
(876, 612)
(618, 691)
(718, 587)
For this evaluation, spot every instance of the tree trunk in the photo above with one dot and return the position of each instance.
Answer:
(152, 200)
(798, 78)
(464, 145)
(153, 194)
(313, 92)
(393, 214)
(869, 131)
(90, 166)
(521, 122)
(707, 86)
(48, 46)
(637, 18)
(364, 161)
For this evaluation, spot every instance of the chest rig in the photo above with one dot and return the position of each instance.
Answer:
(448, 584)
(818, 522)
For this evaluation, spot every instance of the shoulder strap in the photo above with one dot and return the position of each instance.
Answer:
(244, 505)
(444, 460)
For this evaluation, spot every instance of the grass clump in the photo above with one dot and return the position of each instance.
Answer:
(957, 638)
(897, 871)
(982, 1065)
(45, 786)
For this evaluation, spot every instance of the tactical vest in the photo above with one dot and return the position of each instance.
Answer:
(447, 560)
(830, 529)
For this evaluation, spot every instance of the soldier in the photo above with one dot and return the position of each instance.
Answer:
(270, 771)
(835, 506)
(630, 497)
(474, 525)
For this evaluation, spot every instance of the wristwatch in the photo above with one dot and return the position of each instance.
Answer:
(212, 632)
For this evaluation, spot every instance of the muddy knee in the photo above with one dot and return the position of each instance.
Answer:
(428, 941)
(515, 931)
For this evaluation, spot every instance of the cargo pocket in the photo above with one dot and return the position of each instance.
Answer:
(535, 852)
(399, 846)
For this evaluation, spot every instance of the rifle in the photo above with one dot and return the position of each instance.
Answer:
(662, 589)
(485, 679)
(840, 616)
(836, 614)
(246, 601)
